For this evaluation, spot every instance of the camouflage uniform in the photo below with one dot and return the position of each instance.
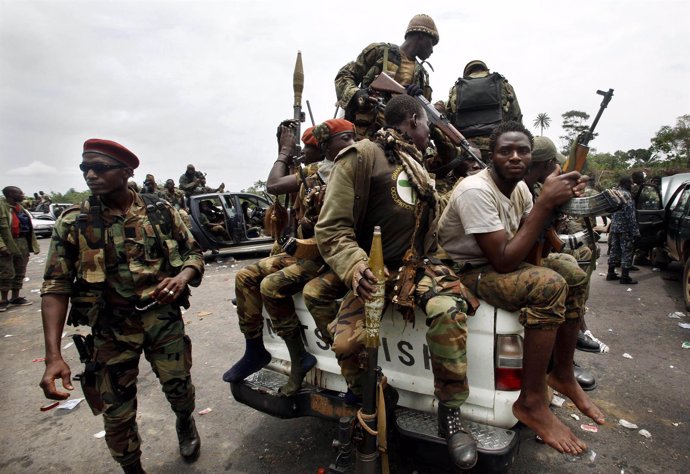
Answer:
(358, 74)
(104, 285)
(321, 295)
(13, 266)
(622, 234)
(186, 184)
(510, 110)
(439, 293)
(175, 198)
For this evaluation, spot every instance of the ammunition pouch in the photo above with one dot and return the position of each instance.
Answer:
(86, 304)
(409, 275)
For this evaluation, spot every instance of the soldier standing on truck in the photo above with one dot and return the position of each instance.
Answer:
(382, 183)
(488, 229)
(479, 101)
(125, 261)
(400, 62)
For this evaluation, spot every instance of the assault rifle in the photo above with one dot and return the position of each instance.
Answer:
(385, 83)
(577, 206)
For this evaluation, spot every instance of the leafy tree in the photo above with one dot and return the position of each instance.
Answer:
(257, 188)
(574, 123)
(72, 196)
(673, 143)
(542, 121)
(641, 157)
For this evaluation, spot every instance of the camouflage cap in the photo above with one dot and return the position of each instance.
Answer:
(474, 64)
(424, 24)
(545, 150)
(330, 128)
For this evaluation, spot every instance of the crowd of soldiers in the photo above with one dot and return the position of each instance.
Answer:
(124, 260)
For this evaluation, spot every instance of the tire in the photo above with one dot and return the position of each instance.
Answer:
(686, 284)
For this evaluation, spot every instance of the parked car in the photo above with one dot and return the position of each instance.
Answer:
(42, 223)
(664, 219)
(56, 208)
(232, 222)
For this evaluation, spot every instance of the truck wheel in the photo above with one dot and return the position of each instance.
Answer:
(686, 284)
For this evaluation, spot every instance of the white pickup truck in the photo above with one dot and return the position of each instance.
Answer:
(494, 359)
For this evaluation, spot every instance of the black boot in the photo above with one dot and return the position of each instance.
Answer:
(255, 358)
(612, 275)
(462, 447)
(134, 468)
(188, 436)
(301, 362)
(584, 378)
(625, 277)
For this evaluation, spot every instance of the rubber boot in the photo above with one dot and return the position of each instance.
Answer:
(134, 468)
(462, 447)
(255, 358)
(301, 362)
(625, 277)
(612, 275)
(188, 436)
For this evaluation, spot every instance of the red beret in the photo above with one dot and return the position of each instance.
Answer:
(112, 150)
(308, 137)
(330, 128)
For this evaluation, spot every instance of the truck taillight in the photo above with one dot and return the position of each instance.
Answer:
(508, 373)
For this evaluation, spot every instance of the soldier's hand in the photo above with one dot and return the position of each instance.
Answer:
(560, 188)
(363, 101)
(286, 140)
(413, 90)
(363, 281)
(56, 370)
(169, 289)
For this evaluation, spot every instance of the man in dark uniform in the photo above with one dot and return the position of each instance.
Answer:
(124, 263)
(400, 62)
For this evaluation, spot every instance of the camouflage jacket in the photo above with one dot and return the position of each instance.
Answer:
(176, 198)
(362, 71)
(186, 185)
(624, 220)
(6, 239)
(345, 207)
(132, 261)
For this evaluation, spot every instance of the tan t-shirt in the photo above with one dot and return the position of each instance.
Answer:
(477, 206)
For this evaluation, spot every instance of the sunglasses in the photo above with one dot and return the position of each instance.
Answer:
(98, 167)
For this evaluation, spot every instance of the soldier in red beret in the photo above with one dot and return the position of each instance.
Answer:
(127, 283)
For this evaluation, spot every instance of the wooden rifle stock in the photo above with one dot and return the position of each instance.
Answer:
(385, 83)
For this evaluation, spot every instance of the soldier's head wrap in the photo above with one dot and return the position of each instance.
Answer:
(545, 150)
(169, 181)
(308, 137)
(330, 128)
(423, 24)
(474, 65)
(112, 150)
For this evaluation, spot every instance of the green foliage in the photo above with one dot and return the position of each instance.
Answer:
(72, 196)
(574, 123)
(673, 143)
(259, 187)
(542, 121)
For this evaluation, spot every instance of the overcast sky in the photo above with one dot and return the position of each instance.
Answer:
(207, 83)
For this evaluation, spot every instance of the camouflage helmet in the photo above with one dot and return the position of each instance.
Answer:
(423, 24)
(545, 150)
(475, 64)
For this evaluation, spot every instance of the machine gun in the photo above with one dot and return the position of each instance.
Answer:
(577, 159)
(385, 83)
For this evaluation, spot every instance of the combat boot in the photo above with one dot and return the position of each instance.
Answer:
(625, 277)
(255, 358)
(134, 468)
(188, 436)
(462, 447)
(612, 275)
(301, 362)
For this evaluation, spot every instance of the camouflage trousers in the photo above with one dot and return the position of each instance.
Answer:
(621, 247)
(248, 292)
(545, 295)
(446, 303)
(120, 336)
(277, 290)
(13, 267)
(321, 296)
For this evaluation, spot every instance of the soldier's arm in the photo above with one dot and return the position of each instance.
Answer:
(190, 252)
(280, 180)
(349, 78)
(54, 312)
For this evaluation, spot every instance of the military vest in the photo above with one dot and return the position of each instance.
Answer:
(479, 107)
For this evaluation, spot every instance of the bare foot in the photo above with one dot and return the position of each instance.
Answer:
(549, 428)
(572, 390)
